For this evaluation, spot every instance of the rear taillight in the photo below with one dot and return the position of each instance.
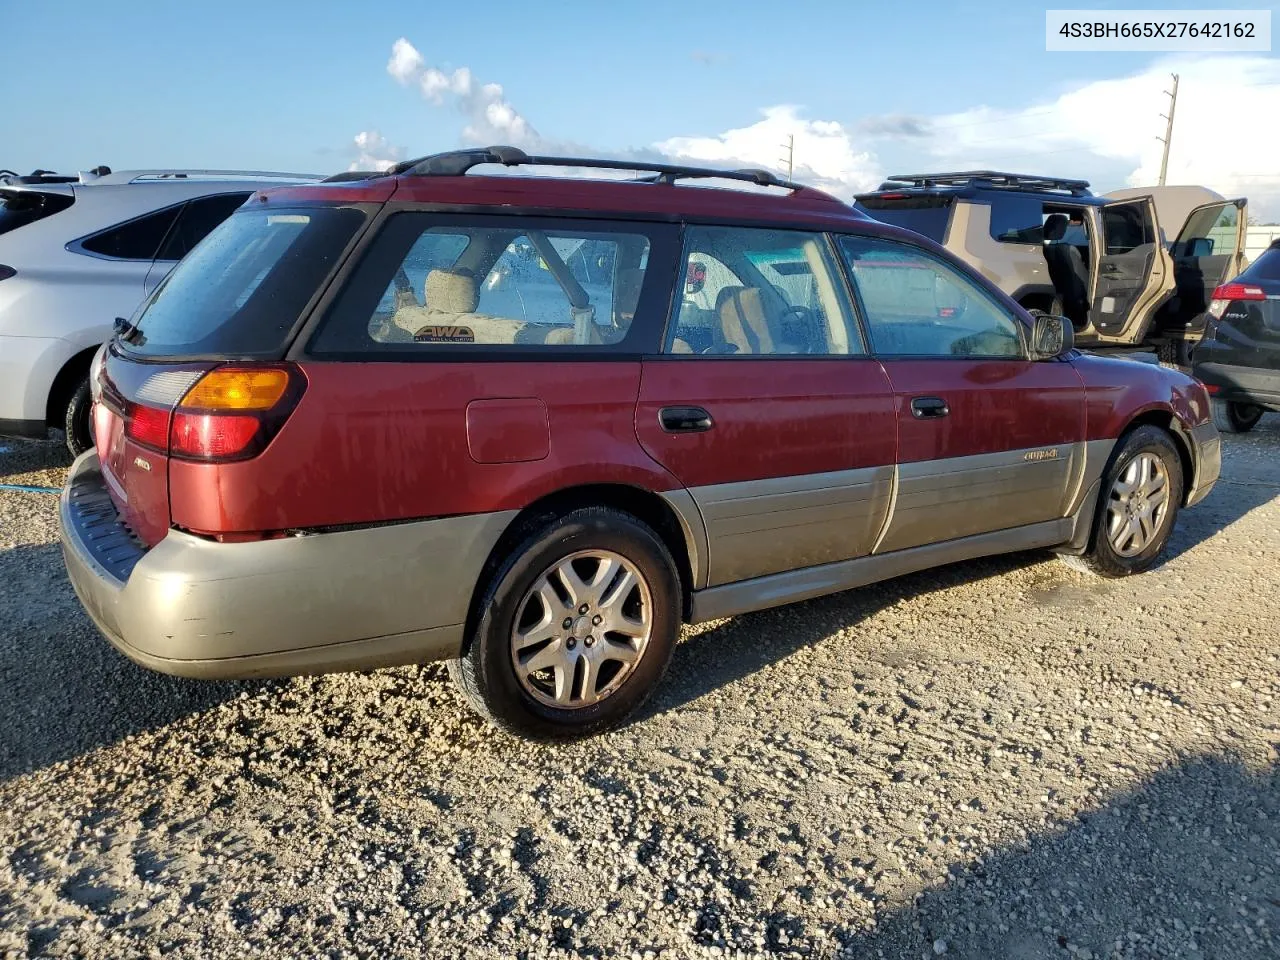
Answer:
(1225, 294)
(148, 426)
(233, 412)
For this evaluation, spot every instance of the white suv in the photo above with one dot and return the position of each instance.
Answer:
(75, 254)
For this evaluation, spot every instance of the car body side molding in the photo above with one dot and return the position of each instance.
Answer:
(760, 593)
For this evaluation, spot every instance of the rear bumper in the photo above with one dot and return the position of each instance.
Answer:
(1206, 454)
(351, 600)
(1241, 384)
(31, 429)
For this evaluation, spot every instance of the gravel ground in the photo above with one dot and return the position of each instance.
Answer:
(1003, 758)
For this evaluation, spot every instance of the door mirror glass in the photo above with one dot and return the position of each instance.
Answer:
(1051, 336)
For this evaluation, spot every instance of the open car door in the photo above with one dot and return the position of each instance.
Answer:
(1128, 270)
(1209, 251)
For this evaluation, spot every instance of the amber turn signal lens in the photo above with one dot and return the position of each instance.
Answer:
(229, 388)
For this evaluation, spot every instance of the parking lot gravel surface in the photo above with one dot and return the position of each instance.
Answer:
(1003, 758)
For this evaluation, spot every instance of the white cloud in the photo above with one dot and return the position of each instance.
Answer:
(373, 151)
(1223, 137)
(406, 62)
(1104, 131)
(825, 155)
(490, 118)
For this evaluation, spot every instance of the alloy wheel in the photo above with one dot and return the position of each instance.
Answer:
(1138, 505)
(581, 629)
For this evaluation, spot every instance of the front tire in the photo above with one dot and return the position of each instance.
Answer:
(1138, 505)
(76, 419)
(1230, 416)
(575, 629)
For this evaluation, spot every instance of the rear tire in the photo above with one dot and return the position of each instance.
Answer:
(1230, 416)
(1174, 354)
(566, 685)
(1138, 505)
(76, 420)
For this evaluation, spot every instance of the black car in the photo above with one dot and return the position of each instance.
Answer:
(1238, 360)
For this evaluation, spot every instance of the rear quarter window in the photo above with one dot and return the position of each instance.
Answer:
(438, 284)
(138, 239)
(1017, 220)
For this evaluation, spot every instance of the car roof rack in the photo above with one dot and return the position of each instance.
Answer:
(988, 178)
(456, 163)
(347, 176)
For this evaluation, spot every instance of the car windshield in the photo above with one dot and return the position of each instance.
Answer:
(240, 291)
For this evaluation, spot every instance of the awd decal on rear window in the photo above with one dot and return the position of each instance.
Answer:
(445, 334)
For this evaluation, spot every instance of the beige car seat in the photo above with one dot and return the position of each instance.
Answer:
(743, 321)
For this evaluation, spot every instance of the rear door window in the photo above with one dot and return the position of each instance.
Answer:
(240, 293)
(196, 221)
(431, 283)
(137, 239)
(759, 291)
(1126, 228)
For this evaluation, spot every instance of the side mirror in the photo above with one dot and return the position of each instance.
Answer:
(1051, 336)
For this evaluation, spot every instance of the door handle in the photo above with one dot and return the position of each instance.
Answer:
(685, 419)
(929, 408)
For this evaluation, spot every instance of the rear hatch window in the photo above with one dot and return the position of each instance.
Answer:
(926, 214)
(241, 290)
(21, 207)
(1266, 268)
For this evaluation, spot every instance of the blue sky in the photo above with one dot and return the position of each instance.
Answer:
(287, 85)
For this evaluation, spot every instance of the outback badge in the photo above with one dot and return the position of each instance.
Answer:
(1050, 454)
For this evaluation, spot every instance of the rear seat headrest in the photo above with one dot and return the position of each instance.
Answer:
(452, 291)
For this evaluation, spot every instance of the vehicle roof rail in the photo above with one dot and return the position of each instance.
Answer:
(456, 163)
(162, 175)
(987, 178)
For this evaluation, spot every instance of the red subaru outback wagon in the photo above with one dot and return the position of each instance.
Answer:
(532, 424)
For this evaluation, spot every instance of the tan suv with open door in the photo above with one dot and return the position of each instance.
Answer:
(1113, 264)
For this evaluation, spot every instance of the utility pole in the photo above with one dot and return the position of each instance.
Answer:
(1168, 131)
(790, 159)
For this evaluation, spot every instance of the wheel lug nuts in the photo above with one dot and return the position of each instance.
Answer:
(568, 622)
(571, 643)
(597, 620)
(583, 609)
(589, 641)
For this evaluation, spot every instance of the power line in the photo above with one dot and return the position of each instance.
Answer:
(1039, 153)
(1008, 118)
